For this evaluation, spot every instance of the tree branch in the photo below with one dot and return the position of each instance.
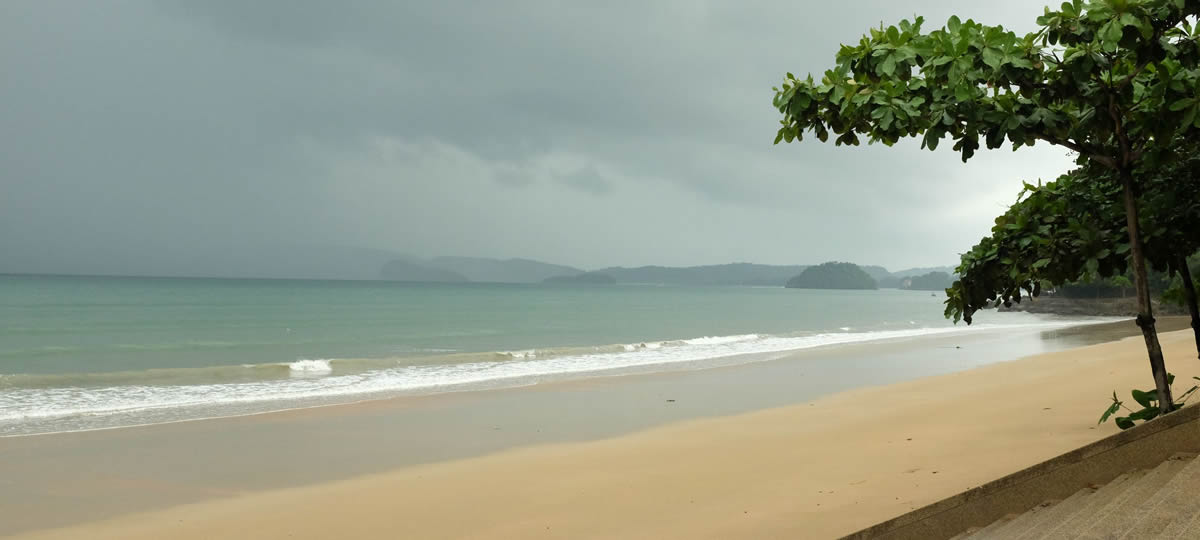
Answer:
(1119, 129)
(1129, 79)
(1091, 153)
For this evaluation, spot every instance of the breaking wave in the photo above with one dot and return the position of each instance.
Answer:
(43, 403)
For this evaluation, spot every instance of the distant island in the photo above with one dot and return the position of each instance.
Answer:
(477, 269)
(761, 275)
(833, 275)
(586, 278)
(933, 281)
(502, 270)
(404, 270)
(485, 270)
(337, 262)
(902, 279)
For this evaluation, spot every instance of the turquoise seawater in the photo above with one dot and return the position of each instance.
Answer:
(88, 352)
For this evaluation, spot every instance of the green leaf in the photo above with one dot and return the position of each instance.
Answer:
(1123, 422)
(963, 92)
(1149, 413)
(932, 139)
(886, 121)
(1111, 410)
(888, 67)
(1182, 104)
(1111, 33)
(953, 24)
(1145, 399)
(893, 35)
(940, 61)
(1183, 397)
(992, 57)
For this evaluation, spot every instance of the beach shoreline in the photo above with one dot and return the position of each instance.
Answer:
(127, 352)
(9, 429)
(509, 459)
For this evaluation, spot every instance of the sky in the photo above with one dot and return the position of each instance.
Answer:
(138, 136)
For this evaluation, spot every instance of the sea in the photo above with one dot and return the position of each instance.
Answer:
(83, 353)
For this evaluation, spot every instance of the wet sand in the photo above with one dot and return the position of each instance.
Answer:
(58, 480)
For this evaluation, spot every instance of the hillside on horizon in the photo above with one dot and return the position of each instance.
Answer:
(897, 280)
(833, 275)
(515, 270)
(714, 274)
(322, 261)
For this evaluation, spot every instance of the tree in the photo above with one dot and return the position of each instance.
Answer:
(1183, 290)
(1112, 80)
(1046, 239)
(1062, 231)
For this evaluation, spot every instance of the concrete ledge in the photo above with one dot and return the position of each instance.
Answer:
(1141, 447)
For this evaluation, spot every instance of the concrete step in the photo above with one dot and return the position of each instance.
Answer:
(1070, 526)
(966, 534)
(987, 531)
(1119, 515)
(1178, 500)
(1183, 529)
(1052, 516)
(1022, 521)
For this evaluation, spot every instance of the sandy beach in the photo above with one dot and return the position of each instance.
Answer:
(404, 270)
(811, 470)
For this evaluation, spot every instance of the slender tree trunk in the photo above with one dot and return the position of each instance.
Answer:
(1145, 318)
(1189, 293)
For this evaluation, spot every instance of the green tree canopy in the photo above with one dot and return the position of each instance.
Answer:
(1072, 229)
(1114, 80)
(1063, 231)
(1097, 78)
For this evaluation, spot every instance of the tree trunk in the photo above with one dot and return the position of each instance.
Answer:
(1145, 318)
(1189, 293)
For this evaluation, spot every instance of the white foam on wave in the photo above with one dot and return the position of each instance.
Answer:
(311, 367)
(521, 367)
(652, 345)
(721, 340)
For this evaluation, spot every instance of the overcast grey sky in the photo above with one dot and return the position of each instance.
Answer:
(584, 133)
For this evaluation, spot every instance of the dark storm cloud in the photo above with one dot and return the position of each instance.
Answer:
(139, 135)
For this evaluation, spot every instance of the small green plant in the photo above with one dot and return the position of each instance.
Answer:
(1149, 402)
